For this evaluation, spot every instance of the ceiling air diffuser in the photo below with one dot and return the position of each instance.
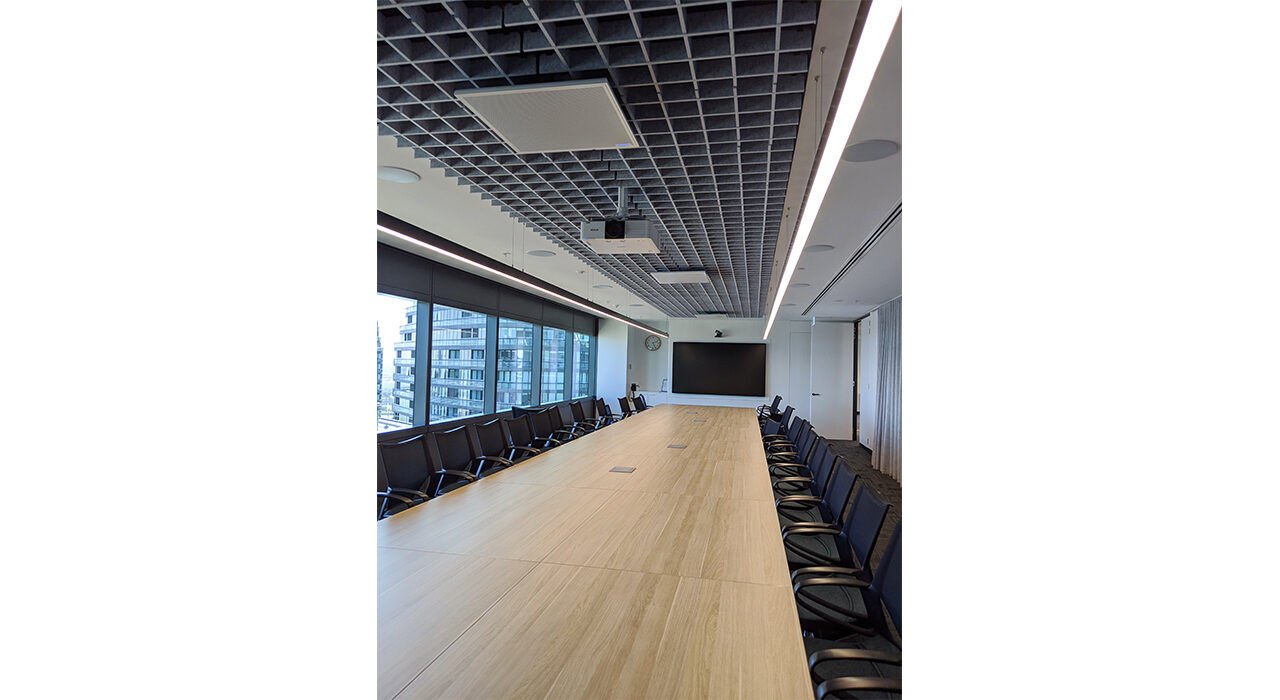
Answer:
(575, 115)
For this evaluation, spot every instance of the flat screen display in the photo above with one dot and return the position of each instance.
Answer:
(718, 368)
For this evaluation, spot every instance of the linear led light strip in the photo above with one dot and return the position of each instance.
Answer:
(517, 280)
(881, 19)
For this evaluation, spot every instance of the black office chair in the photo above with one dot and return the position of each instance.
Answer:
(544, 430)
(521, 439)
(641, 404)
(815, 483)
(390, 503)
(490, 440)
(562, 420)
(783, 466)
(580, 417)
(410, 471)
(519, 411)
(603, 411)
(769, 410)
(625, 405)
(829, 509)
(841, 550)
(781, 451)
(454, 451)
(869, 659)
(784, 433)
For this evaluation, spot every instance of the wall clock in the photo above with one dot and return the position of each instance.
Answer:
(653, 342)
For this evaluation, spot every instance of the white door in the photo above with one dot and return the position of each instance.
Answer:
(797, 393)
(831, 379)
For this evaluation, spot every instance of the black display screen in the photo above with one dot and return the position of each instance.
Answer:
(718, 368)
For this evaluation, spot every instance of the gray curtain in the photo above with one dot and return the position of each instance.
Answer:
(887, 456)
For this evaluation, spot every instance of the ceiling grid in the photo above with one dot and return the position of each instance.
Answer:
(711, 88)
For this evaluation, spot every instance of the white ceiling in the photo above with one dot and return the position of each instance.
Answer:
(860, 197)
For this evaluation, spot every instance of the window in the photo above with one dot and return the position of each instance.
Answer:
(455, 332)
(553, 364)
(581, 365)
(515, 364)
(395, 361)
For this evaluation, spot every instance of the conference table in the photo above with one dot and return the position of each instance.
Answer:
(562, 578)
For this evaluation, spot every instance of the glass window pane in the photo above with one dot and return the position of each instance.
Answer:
(397, 334)
(515, 364)
(581, 365)
(457, 371)
(553, 364)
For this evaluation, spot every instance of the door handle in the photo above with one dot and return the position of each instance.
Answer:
(815, 394)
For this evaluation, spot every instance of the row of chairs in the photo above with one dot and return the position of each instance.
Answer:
(851, 616)
(417, 469)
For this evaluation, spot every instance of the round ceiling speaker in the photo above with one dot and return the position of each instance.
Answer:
(867, 151)
(390, 174)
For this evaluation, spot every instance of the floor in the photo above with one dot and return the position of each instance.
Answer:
(885, 487)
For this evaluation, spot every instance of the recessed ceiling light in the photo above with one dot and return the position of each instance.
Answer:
(390, 174)
(602, 286)
(800, 285)
(867, 151)
(542, 253)
(819, 248)
(682, 277)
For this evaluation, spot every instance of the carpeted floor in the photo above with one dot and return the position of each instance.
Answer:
(885, 487)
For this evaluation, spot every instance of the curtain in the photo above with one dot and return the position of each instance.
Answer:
(887, 455)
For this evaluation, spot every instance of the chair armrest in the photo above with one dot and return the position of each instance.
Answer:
(797, 525)
(817, 570)
(810, 530)
(526, 448)
(554, 442)
(398, 497)
(811, 500)
(499, 460)
(831, 581)
(775, 437)
(789, 465)
(839, 685)
(468, 476)
(875, 655)
(415, 492)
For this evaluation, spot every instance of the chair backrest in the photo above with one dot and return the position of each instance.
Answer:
(838, 495)
(773, 407)
(771, 427)
(625, 406)
(862, 525)
(452, 449)
(543, 425)
(785, 421)
(805, 441)
(517, 411)
(602, 408)
(887, 583)
(579, 413)
(822, 469)
(405, 464)
(520, 430)
(490, 438)
(561, 416)
(794, 428)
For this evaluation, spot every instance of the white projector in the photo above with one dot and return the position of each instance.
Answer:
(620, 236)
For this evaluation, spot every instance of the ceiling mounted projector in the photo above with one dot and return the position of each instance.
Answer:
(574, 115)
(620, 234)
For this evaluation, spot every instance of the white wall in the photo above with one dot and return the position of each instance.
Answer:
(649, 369)
(611, 360)
(867, 380)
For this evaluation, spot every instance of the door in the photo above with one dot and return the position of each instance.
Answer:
(831, 379)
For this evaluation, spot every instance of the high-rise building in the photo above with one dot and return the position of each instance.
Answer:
(379, 370)
(457, 363)
(403, 377)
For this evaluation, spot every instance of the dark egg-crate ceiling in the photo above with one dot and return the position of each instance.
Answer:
(712, 89)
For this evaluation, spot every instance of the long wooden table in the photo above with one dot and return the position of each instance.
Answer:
(558, 578)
